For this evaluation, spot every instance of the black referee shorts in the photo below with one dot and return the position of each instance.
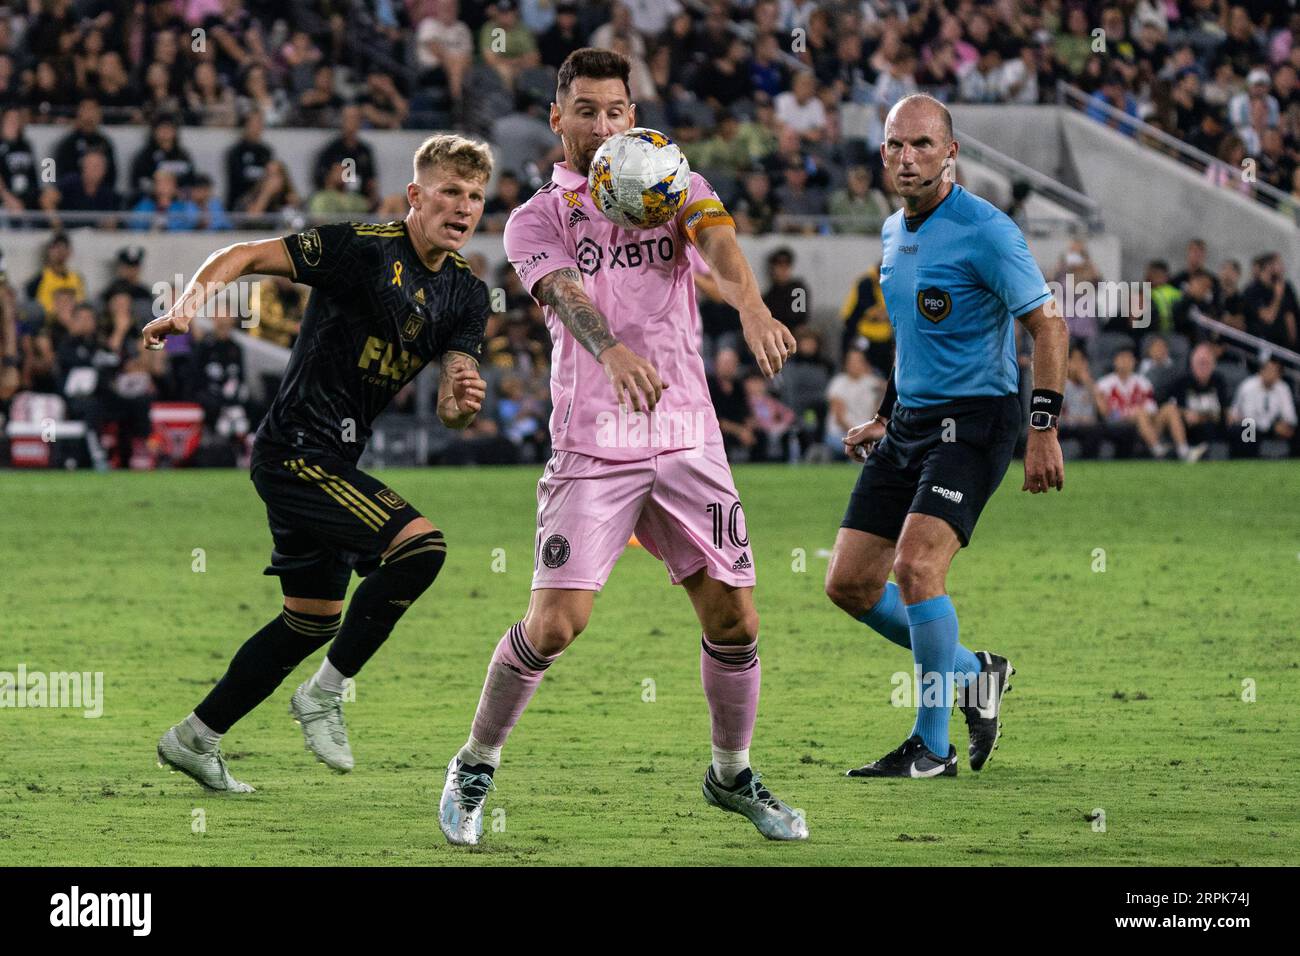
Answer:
(942, 460)
(327, 519)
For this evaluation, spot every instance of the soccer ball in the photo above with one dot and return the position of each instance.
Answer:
(639, 179)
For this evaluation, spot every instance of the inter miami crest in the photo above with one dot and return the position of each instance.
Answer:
(934, 304)
(555, 551)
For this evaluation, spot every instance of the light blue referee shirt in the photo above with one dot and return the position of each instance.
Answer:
(953, 288)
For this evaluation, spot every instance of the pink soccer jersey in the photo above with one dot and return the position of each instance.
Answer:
(640, 281)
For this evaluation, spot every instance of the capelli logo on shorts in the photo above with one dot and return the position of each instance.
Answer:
(954, 496)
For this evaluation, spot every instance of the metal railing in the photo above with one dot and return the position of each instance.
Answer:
(1251, 346)
(1088, 210)
(1268, 196)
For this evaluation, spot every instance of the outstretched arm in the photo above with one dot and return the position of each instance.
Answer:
(263, 257)
(628, 373)
(769, 340)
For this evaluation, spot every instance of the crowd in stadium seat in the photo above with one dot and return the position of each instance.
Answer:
(780, 103)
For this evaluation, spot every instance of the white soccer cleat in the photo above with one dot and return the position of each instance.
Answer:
(460, 812)
(206, 768)
(323, 730)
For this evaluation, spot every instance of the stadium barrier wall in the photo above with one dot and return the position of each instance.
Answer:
(1150, 201)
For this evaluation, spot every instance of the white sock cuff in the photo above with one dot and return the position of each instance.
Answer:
(329, 679)
(474, 753)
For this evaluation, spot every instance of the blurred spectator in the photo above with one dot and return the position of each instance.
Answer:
(272, 105)
(444, 50)
(724, 151)
(1158, 367)
(724, 81)
(800, 109)
(852, 397)
(524, 142)
(1272, 311)
(218, 381)
(333, 198)
(237, 37)
(507, 198)
(162, 151)
(85, 136)
(731, 406)
(1113, 93)
(11, 363)
(273, 194)
(1258, 83)
(1201, 397)
(114, 90)
(1234, 303)
(1127, 401)
(1263, 408)
(506, 45)
(210, 212)
(207, 101)
(619, 24)
(89, 189)
(1078, 420)
(382, 105)
(858, 207)
(165, 208)
(563, 37)
(246, 159)
(320, 104)
(787, 296)
(126, 282)
(1164, 295)
(800, 203)
(160, 94)
(771, 422)
(55, 274)
(1197, 300)
(756, 209)
(866, 322)
(521, 417)
(1195, 262)
(299, 59)
(18, 172)
(804, 379)
(354, 153)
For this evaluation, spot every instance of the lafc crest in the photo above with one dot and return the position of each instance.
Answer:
(411, 327)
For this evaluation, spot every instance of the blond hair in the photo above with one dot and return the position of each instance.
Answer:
(464, 156)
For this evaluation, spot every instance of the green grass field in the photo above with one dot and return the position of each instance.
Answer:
(1128, 697)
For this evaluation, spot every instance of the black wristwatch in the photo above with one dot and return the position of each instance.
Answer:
(1042, 421)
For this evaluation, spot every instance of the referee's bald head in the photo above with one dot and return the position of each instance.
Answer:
(918, 105)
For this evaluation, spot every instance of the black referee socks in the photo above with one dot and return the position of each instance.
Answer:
(383, 597)
(262, 663)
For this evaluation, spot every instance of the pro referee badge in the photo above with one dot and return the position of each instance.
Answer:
(934, 304)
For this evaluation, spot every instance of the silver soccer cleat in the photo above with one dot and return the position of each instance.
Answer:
(460, 812)
(323, 729)
(206, 768)
(756, 803)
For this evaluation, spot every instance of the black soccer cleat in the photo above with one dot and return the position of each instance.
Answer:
(980, 702)
(912, 759)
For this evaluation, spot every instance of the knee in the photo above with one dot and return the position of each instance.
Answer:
(915, 573)
(853, 596)
(551, 631)
(418, 559)
(733, 625)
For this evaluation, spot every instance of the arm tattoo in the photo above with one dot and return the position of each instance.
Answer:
(562, 291)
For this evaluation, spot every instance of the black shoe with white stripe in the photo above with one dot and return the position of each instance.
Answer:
(912, 759)
(980, 702)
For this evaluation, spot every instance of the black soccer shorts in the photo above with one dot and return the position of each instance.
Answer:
(942, 460)
(327, 518)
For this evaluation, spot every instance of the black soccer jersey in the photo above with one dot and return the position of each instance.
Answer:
(376, 316)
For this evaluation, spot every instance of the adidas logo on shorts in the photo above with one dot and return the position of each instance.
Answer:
(742, 562)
